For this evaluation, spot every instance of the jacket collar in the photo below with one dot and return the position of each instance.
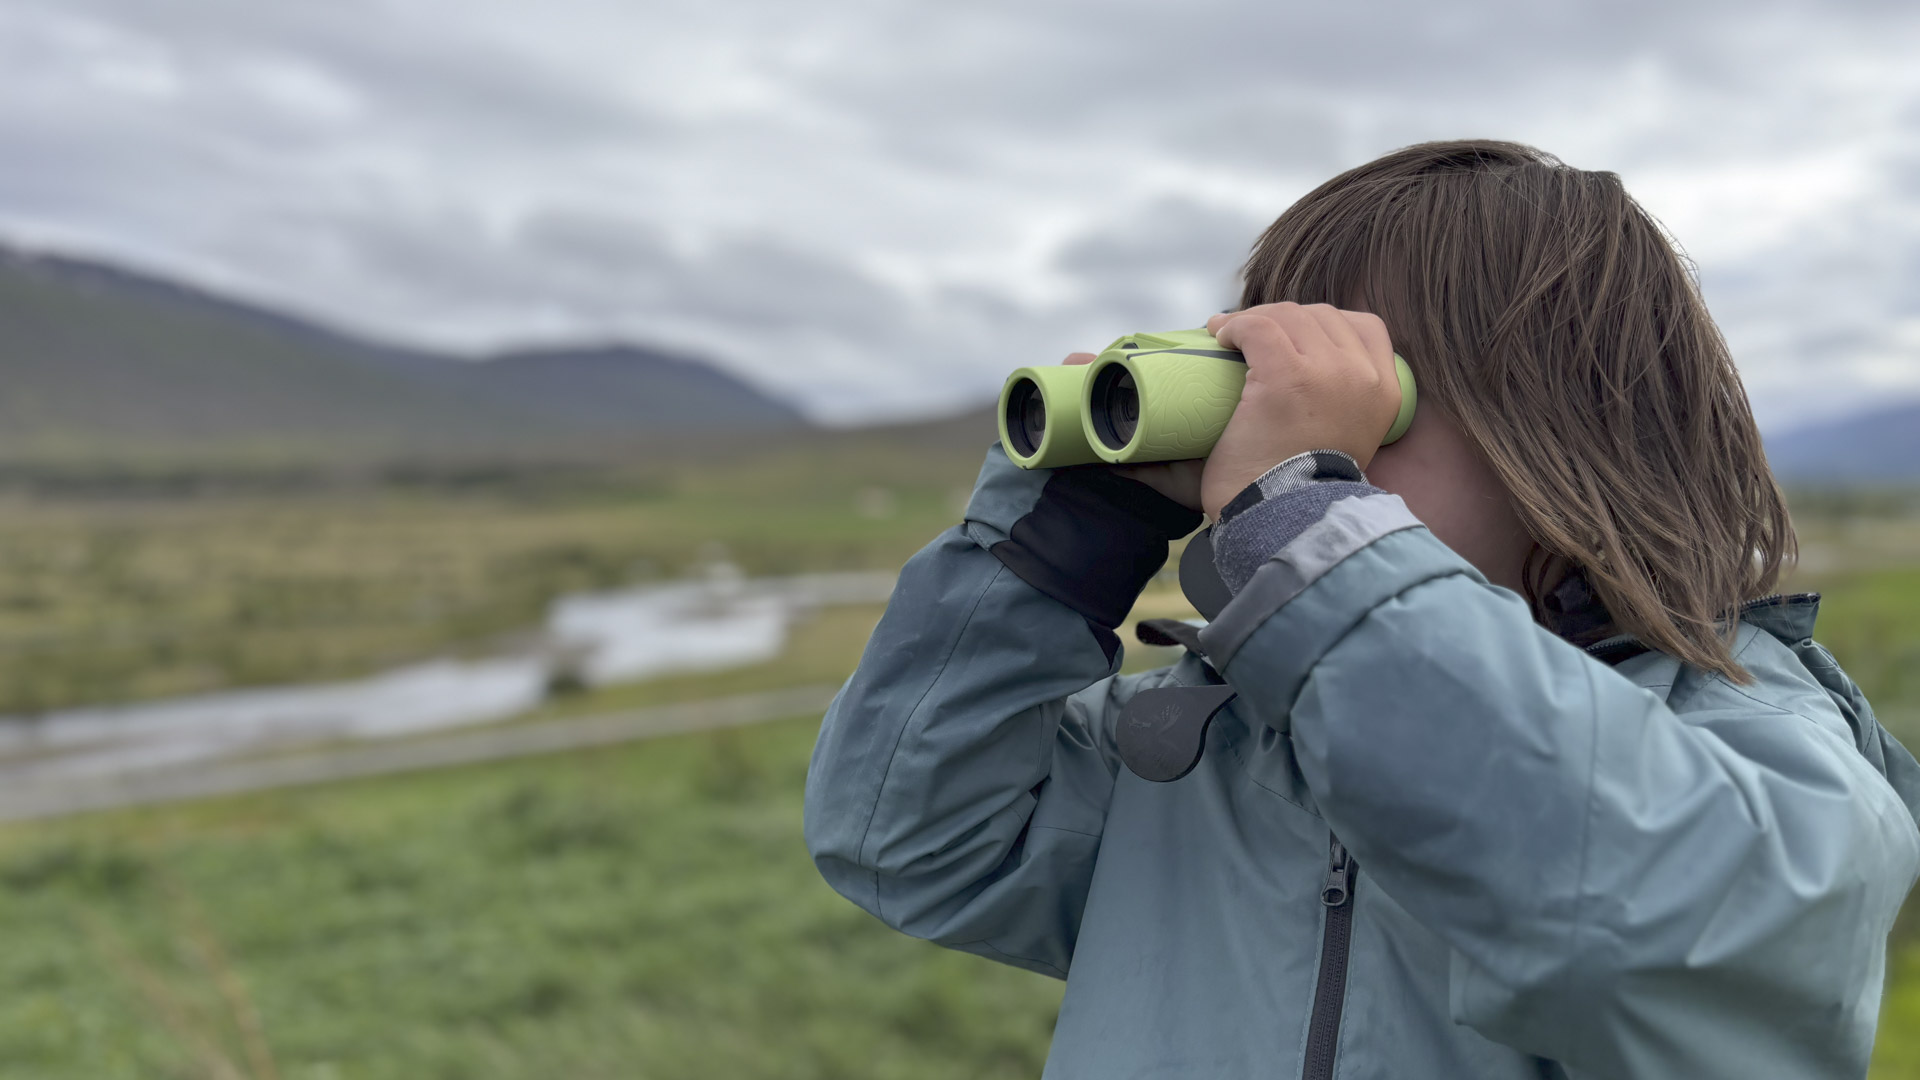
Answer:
(1788, 616)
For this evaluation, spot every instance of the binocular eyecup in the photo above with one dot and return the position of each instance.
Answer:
(1113, 404)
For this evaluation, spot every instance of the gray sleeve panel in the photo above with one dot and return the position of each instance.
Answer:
(1625, 889)
(959, 787)
(1241, 545)
(1348, 525)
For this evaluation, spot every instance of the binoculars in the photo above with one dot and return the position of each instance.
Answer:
(1147, 397)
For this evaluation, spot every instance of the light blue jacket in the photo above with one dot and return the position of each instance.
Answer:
(1544, 866)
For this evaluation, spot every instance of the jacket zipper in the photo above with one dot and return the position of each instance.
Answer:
(1330, 990)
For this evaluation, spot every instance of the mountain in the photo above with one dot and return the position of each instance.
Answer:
(97, 360)
(616, 387)
(1876, 446)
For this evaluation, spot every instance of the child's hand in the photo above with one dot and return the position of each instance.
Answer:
(1177, 480)
(1318, 378)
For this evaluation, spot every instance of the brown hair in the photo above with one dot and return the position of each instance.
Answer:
(1552, 317)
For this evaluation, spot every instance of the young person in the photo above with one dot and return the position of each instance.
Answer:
(1524, 776)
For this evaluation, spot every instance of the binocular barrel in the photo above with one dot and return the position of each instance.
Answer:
(1147, 397)
(1040, 411)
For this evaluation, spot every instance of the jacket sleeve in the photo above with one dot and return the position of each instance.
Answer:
(960, 783)
(1627, 890)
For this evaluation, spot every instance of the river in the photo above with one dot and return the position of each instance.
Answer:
(718, 621)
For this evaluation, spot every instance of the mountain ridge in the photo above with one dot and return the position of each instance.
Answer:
(1876, 445)
(103, 361)
(100, 359)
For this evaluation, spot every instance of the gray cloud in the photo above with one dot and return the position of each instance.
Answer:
(880, 207)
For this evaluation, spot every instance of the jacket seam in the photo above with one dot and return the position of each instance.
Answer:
(1004, 955)
(1070, 832)
(1722, 680)
(1347, 631)
(893, 752)
(1768, 705)
(1772, 707)
(1753, 813)
(1237, 749)
(1227, 623)
(1731, 685)
(1578, 922)
(1575, 922)
(1247, 768)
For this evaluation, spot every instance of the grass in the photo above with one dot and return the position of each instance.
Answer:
(648, 911)
(640, 911)
(1897, 1053)
(1871, 621)
(123, 597)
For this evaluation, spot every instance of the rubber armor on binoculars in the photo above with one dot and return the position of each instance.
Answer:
(1147, 397)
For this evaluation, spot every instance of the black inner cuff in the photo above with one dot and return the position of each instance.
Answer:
(1094, 540)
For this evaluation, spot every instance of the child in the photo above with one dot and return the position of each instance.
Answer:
(1524, 776)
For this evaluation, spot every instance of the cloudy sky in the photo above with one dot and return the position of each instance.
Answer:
(879, 207)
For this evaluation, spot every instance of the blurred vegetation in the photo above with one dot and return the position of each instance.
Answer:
(1861, 552)
(118, 585)
(1823, 506)
(647, 910)
(1896, 1056)
(640, 911)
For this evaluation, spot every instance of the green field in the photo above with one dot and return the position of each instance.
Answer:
(645, 911)
(648, 911)
(126, 588)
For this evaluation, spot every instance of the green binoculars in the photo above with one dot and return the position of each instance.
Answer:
(1147, 397)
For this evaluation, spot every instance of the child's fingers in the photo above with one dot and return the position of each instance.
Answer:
(1306, 326)
(1216, 322)
(1372, 333)
(1350, 332)
(1177, 480)
(1257, 336)
(1078, 358)
(1338, 328)
(1298, 322)
(1298, 352)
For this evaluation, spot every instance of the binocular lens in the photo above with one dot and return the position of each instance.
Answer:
(1116, 406)
(1026, 417)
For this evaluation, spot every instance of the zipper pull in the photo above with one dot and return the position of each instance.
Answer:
(1339, 888)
